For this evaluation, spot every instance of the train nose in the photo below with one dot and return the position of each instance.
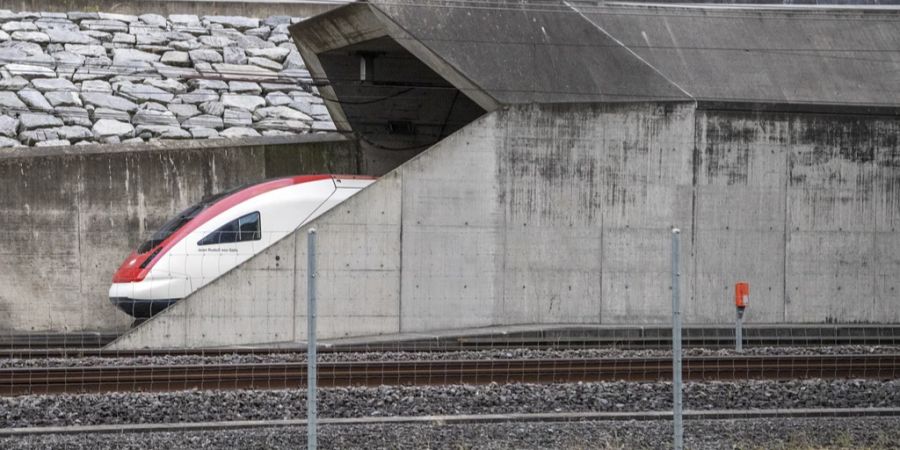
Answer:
(142, 309)
(146, 298)
(129, 270)
(135, 267)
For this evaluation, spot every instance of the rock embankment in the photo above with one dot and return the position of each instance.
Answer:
(81, 78)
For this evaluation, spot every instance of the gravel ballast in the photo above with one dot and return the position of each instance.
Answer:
(870, 433)
(201, 406)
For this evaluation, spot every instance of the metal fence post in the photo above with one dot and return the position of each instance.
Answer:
(311, 341)
(678, 443)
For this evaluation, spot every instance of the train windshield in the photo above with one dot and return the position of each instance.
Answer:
(175, 223)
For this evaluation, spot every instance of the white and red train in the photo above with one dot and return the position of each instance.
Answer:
(212, 237)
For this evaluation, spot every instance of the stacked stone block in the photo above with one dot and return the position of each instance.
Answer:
(82, 78)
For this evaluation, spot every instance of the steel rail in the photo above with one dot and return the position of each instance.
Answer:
(39, 345)
(79, 351)
(21, 381)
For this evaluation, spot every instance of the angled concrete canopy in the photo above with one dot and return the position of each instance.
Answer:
(818, 56)
(510, 52)
(509, 55)
(379, 82)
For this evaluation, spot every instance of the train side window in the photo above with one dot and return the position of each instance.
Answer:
(245, 228)
(248, 228)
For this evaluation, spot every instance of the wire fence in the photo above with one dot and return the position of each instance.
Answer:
(225, 360)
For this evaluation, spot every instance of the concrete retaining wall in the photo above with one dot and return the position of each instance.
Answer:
(69, 216)
(561, 214)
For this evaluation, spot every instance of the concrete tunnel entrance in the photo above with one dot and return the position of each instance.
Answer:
(389, 102)
(393, 103)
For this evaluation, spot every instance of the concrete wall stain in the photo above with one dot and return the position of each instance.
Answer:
(840, 200)
(726, 157)
(585, 155)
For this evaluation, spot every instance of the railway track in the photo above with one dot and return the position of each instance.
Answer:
(21, 381)
(42, 345)
(419, 347)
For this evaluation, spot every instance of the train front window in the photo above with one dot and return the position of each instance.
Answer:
(175, 223)
(171, 227)
(246, 228)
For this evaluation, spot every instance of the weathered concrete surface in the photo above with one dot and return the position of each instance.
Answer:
(740, 167)
(561, 214)
(803, 206)
(843, 212)
(68, 216)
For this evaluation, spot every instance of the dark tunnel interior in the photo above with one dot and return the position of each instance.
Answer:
(395, 104)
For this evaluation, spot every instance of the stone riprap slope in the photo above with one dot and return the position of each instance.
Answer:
(81, 78)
